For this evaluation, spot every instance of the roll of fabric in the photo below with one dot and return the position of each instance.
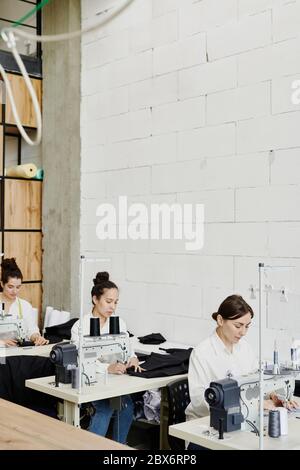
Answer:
(27, 170)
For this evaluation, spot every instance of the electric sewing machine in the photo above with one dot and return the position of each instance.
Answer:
(234, 403)
(11, 328)
(107, 348)
(282, 385)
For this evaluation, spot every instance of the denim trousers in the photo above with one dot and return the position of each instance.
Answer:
(122, 418)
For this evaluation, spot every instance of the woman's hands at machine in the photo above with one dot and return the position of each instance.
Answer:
(134, 362)
(120, 368)
(281, 401)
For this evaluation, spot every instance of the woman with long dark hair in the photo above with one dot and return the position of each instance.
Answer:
(19, 309)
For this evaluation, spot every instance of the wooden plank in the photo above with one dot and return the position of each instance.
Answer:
(1, 96)
(26, 247)
(24, 429)
(33, 293)
(23, 100)
(1, 149)
(23, 203)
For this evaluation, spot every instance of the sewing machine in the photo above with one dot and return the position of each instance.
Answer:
(282, 385)
(110, 348)
(234, 403)
(11, 327)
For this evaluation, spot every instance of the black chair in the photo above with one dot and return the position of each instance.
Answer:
(178, 399)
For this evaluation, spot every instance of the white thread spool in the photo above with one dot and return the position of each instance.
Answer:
(284, 427)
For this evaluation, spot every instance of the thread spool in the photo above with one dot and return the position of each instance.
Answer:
(284, 427)
(114, 326)
(294, 357)
(274, 423)
(95, 326)
(75, 377)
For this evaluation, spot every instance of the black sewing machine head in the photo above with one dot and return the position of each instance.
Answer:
(223, 397)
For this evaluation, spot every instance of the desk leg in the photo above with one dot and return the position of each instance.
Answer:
(71, 413)
(164, 417)
(115, 403)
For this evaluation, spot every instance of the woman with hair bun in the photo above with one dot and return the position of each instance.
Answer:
(11, 281)
(224, 354)
(105, 297)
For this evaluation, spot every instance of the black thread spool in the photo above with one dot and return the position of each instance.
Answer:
(114, 326)
(95, 326)
(274, 423)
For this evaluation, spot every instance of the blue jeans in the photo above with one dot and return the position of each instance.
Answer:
(122, 418)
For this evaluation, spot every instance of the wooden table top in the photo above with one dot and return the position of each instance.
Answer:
(24, 429)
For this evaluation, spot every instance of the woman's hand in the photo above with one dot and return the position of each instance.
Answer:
(116, 368)
(9, 342)
(38, 340)
(279, 401)
(269, 405)
(134, 362)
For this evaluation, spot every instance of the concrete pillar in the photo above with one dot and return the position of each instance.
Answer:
(61, 157)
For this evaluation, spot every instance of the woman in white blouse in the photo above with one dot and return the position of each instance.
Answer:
(19, 309)
(225, 353)
(105, 297)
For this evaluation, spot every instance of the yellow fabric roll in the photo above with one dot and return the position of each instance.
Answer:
(27, 170)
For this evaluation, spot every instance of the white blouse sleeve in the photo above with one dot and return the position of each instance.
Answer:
(199, 381)
(29, 319)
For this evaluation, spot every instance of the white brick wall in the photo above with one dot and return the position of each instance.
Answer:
(286, 21)
(156, 32)
(239, 104)
(208, 78)
(182, 54)
(154, 92)
(239, 36)
(189, 101)
(206, 15)
(268, 62)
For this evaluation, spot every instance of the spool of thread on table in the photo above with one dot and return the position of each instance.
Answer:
(274, 423)
(284, 427)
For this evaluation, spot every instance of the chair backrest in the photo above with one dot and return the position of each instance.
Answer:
(178, 400)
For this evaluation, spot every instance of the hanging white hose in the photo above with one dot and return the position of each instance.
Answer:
(8, 35)
(12, 45)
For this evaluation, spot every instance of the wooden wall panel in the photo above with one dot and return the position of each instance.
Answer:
(1, 149)
(26, 247)
(33, 294)
(1, 97)
(23, 203)
(23, 100)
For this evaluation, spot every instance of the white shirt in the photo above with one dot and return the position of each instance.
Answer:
(101, 366)
(22, 309)
(210, 361)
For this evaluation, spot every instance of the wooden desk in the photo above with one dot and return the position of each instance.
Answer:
(192, 431)
(115, 386)
(24, 429)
